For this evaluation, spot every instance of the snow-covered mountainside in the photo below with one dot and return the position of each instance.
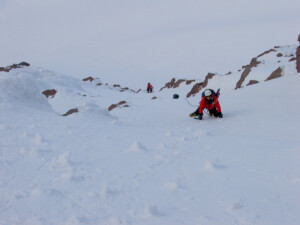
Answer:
(87, 152)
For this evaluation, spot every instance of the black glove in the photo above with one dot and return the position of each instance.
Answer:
(220, 114)
(200, 116)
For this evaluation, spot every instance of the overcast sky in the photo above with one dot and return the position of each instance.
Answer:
(118, 38)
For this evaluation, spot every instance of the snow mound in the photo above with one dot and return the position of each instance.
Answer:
(137, 147)
(20, 87)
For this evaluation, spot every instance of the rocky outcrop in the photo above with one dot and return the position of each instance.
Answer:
(247, 70)
(198, 86)
(208, 76)
(188, 82)
(195, 89)
(88, 79)
(275, 74)
(3, 69)
(120, 104)
(251, 82)
(71, 111)
(14, 66)
(267, 52)
(279, 55)
(49, 93)
(298, 59)
(177, 83)
(169, 84)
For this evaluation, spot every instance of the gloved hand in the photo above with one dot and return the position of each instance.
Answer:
(193, 114)
(200, 116)
(220, 114)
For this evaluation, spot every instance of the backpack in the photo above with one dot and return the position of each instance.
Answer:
(216, 94)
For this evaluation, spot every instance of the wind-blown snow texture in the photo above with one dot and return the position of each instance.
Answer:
(149, 163)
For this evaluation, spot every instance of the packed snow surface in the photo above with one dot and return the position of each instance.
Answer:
(149, 163)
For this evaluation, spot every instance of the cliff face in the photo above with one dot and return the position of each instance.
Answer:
(298, 59)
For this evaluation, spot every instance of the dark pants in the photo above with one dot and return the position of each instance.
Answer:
(149, 90)
(213, 112)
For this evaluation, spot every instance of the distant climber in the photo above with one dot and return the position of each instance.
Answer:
(299, 38)
(149, 88)
(210, 102)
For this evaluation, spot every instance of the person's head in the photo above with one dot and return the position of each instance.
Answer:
(208, 94)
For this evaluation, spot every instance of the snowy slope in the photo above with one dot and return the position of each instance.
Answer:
(148, 163)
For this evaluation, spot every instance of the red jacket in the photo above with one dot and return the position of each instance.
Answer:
(204, 104)
(149, 86)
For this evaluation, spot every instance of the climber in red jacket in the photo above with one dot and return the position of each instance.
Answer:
(210, 102)
(149, 88)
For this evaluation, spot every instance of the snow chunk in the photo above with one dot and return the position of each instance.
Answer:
(137, 147)
(153, 211)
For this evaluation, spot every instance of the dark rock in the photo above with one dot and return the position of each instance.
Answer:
(246, 72)
(279, 55)
(266, 52)
(24, 64)
(188, 82)
(14, 66)
(195, 89)
(254, 62)
(177, 83)
(298, 59)
(88, 79)
(275, 74)
(208, 76)
(251, 82)
(49, 93)
(2, 69)
(169, 84)
(112, 106)
(121, 103)
(71, 111)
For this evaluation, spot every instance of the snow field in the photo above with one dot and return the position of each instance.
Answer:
(149, 163)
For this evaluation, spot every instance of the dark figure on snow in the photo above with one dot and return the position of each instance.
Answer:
(210, 102)
(149, 88)
(299, 38)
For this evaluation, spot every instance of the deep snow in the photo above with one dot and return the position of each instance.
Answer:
(148, 163)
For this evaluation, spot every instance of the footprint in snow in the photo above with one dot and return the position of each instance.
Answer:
(199, 132)
(153, 211)
(137, 147)
(209, 165)
(169, 134)
(236, 206)
(173, 185)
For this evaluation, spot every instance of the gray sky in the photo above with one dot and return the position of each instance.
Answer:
(123, 39)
